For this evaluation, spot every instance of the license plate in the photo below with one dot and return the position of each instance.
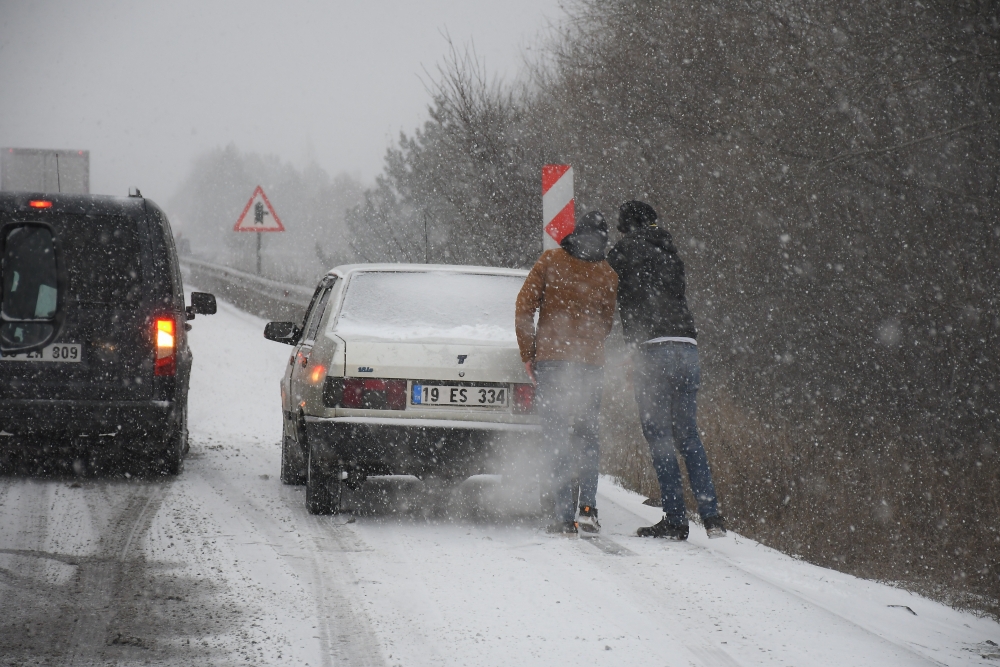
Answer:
(453, 394)
(61, 352)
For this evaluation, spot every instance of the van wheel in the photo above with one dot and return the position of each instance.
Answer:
(8, 462)
(172, 455)
(322, 489)
(291, 463)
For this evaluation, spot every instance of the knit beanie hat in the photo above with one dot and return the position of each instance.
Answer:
(635, 214)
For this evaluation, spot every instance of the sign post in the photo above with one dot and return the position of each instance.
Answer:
(558, 213)
(262, 219)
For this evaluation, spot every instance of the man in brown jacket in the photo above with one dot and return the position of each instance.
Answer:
(573, 290)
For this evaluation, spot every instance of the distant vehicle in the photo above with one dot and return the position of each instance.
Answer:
(44, 170)
(117, 373)
(401, 369)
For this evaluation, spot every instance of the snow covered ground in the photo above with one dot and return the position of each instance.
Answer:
(222, 565)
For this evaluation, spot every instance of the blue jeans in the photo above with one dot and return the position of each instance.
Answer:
(569, 405)
(666, 380)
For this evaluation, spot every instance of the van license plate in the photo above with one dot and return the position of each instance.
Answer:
(467, 395)
(62, 352)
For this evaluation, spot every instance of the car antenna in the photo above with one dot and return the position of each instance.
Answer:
(134, 192)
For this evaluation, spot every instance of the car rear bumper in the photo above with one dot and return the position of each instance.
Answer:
(400, 446)
(27, 416)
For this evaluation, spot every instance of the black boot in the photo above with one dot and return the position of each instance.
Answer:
(715, 526)
(668, 531)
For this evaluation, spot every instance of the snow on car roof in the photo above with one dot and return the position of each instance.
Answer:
(345, 270)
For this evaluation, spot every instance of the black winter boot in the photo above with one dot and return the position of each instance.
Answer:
(668, 531)
(715, 526)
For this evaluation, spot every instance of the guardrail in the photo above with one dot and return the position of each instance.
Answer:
(269, 299)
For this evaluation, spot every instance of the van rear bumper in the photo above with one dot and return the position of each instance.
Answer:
(384, 446)
(28, 416)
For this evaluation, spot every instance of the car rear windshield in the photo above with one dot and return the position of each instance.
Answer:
(433, 304)
(102, 257)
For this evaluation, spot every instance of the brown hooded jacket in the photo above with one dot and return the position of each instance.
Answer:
(575, 300)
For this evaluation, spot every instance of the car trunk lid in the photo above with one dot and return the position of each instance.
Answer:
(433, 359)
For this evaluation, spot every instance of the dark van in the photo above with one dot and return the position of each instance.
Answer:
(116, 377)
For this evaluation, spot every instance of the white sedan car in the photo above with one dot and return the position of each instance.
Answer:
(402, 369)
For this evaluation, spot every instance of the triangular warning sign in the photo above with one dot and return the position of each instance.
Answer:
(259, 215)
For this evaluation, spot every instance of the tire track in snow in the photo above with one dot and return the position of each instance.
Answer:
(71, 618)
(24, 520)
(607, 545)
(100, 579)
(345, 634)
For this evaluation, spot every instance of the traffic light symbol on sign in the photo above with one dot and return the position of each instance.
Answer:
(258, 215)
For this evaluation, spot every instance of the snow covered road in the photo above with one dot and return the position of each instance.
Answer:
(222, 565)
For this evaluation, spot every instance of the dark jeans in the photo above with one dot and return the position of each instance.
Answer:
(569, 405)
(667, 378)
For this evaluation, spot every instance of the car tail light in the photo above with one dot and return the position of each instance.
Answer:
(317, 373)
(364, 393)
(39, 203)
(524, 399)
(166, 346)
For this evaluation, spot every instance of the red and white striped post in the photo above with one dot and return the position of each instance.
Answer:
(558, 213)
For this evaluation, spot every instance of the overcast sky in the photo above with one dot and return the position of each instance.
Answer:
(147, 86)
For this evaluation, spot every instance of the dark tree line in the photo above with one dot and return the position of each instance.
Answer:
(831, 172)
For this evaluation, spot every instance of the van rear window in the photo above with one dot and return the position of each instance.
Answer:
(102, 258)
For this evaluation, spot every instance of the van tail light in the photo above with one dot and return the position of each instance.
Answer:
(364, 393)
(165, 342)
(524, 399)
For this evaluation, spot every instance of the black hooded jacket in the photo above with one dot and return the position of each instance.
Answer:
(651, 286)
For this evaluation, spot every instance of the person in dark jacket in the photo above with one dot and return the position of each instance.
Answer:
(572, 289)
(658, 325)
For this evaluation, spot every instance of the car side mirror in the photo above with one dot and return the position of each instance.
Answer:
(283, 332)
(34, 287)
(202, 303)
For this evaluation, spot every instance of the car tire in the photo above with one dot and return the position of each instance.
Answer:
(291, 463)
(172, 456)
(8, 462)
(322, 489)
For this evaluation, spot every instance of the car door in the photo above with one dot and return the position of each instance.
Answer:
(300, 354)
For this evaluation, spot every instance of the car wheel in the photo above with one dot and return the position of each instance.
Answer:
(8, 462)
(172, 456)
(291, 463)
(322, 489)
